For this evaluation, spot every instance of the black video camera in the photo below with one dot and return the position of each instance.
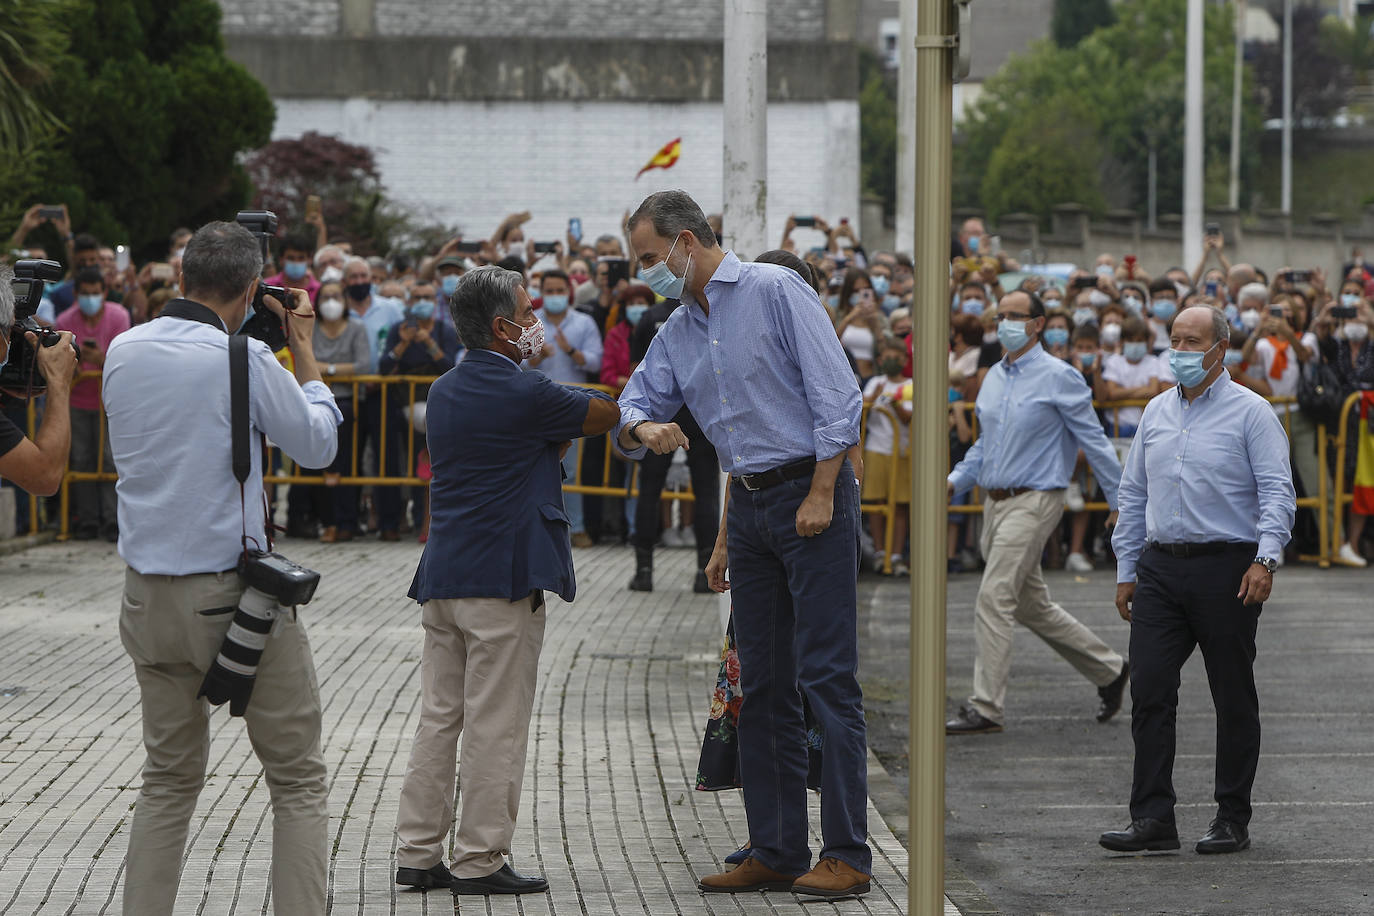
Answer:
(21, 377)
(263, 323)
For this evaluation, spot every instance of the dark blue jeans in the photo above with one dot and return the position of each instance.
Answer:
(796, 628)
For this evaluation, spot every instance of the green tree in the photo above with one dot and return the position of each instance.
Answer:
(155, 116)
(32, 42)
(1075, 20)
(877, 130)
(1039, 165)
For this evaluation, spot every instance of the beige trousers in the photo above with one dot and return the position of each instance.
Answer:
(172, 628)
(477, 678)
(1013, 590)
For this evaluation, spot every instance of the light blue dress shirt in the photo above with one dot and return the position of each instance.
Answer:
(764, 373)
(580, 331)
(1033, 416)
(381, 315)
(166, 392)
(1213, 470)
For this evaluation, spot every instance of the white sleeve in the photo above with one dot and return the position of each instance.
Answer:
(301, 419)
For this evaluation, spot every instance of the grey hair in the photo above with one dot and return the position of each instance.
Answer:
(671, 213)
(349, 261)
(6, 297)
(1250, 291)
(600, 239)
(327, 250)
(1221, 327)
(220, 262)
(483, 294)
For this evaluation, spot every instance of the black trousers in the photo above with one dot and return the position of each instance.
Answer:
(1181, 603)
(704, 467)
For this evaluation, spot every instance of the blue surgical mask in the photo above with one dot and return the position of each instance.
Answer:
(833, 301)
(972, 307)
(90, 304)
(555, 305)
(891, 303)
(880, 285)
(1164, 309)
(1350, 300)
(1232, 357)
(1135, 350)
(450, 283)
(294, 270)
(635, 312)
(1055, 337)
(1087, 359)
(1232, 313)
(422, 309)
(1187, 366)
(1012, 334)
(1133, 304)
(662, 280)
(1084, 316)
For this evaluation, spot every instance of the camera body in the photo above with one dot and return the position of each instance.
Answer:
(263, 324)
(271, 573)
(21, 376)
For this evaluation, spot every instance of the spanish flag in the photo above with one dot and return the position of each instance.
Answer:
(665, 158)
(1363, 490)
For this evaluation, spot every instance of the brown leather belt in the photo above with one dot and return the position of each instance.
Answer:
(999, 495)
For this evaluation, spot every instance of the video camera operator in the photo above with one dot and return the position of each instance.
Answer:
(37, 464)
(184, 523)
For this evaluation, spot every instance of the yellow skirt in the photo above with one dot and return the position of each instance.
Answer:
(877, 472)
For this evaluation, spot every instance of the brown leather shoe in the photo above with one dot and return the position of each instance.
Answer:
(330, 535)
(752, 875)
(832, 878)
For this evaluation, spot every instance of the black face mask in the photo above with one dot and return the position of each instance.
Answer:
(359, 291)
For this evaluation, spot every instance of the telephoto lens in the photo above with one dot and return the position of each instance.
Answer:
(230, 679)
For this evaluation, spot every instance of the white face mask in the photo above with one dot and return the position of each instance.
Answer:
(531, 340)
(1111, 334)
(1250, 319)
(331, 309)
(331, 274)
(1355, 331)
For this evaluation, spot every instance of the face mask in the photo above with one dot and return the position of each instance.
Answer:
(1098, 299)
(179, 252)
(1350, 300)
(294, 270)
(513, 250)
(1187, 366)
(1087, 359)
(533, 290)
(1135, 351)
(579, 279)
(1164, 309)
(332, 274)
(1250, 319)
(1133, 304)
(1104, 270)
(1181, 289)
(389, 300)
(892, 366)
(1055, 337)
(531, 340)
(662, 280)
(1012, 334)
(972, 307)
(450, 283)
(633, 312)
(1111, 334)
(358, 291)
(422, 309)
(1232, 357)
(1231, 312)
(1356, 331)
(891, 303)
(833, 301)
(881, 285)
(1052, 303)
(90, 304)
(1084, 316)
(555, 305)
(331, 309)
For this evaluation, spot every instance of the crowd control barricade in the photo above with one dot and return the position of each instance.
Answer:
(1344, 490)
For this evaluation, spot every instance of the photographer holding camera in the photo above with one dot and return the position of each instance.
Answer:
(37, 464)
(185, 523)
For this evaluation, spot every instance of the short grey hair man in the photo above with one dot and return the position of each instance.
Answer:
(671, 213)
(1257, 293)
(220, 262)
(483, 295)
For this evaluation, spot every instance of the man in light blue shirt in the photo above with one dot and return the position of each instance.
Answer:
(1034, 414)
(1207, 505)
(753, 355)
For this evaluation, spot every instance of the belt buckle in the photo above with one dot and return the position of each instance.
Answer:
(744, 479)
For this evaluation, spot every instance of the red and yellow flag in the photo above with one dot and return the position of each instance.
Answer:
(1363, 490)
(665, 158)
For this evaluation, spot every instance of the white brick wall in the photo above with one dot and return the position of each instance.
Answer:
(472, 163)
(280, 17)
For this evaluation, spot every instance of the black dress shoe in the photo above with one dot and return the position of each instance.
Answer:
(1146, 834)
(1111, 694)
(701, 585)
(425, 878)
(971, 722)
(503, 881)
(1224, 836)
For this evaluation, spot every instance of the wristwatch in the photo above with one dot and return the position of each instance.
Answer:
(633, 430)
(1269, 563)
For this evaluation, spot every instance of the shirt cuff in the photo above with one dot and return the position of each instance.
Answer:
(960, 484)
(833, 439)
(319, 393)
(628, 416)
(1270, 546)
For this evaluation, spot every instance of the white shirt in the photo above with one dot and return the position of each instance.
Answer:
(166, 392)
(1117, 368)
(580, 331)
(858, 340)
(879, 438)
(1286, 385)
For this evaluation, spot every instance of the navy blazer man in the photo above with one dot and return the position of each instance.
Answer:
(498, 539)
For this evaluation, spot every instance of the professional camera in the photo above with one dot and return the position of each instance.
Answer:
(274, 582)
(262, 323)
(21, 377)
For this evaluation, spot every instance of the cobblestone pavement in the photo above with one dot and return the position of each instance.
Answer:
(609, 812)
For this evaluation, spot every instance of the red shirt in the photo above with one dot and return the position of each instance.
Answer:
(615, 355)
(111, 321)
(310, 284)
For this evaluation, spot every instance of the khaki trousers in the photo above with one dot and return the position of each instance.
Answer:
(477, 677)
(172, 628)
(1013, 590)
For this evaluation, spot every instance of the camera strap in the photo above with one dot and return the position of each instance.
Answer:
(242, 462)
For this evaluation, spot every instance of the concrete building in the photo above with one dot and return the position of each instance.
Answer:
(478, 109)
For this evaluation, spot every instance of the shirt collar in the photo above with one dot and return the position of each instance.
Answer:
(479, 353)
(1024, 359)
(1211, 390)
(193, 311)
(727, 271)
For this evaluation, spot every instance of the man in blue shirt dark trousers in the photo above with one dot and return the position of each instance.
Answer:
(498, 539)
(1207, 504)
(753, 355)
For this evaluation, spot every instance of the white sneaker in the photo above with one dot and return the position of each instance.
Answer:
(1073, 499)
(1078, 563)
(687, 538)
(899, 567)
(878, 557)
(671, 537)
(1348, 557)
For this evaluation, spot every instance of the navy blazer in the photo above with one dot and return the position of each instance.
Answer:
(497, 525)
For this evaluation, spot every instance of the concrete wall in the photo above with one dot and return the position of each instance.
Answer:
(472, 163)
